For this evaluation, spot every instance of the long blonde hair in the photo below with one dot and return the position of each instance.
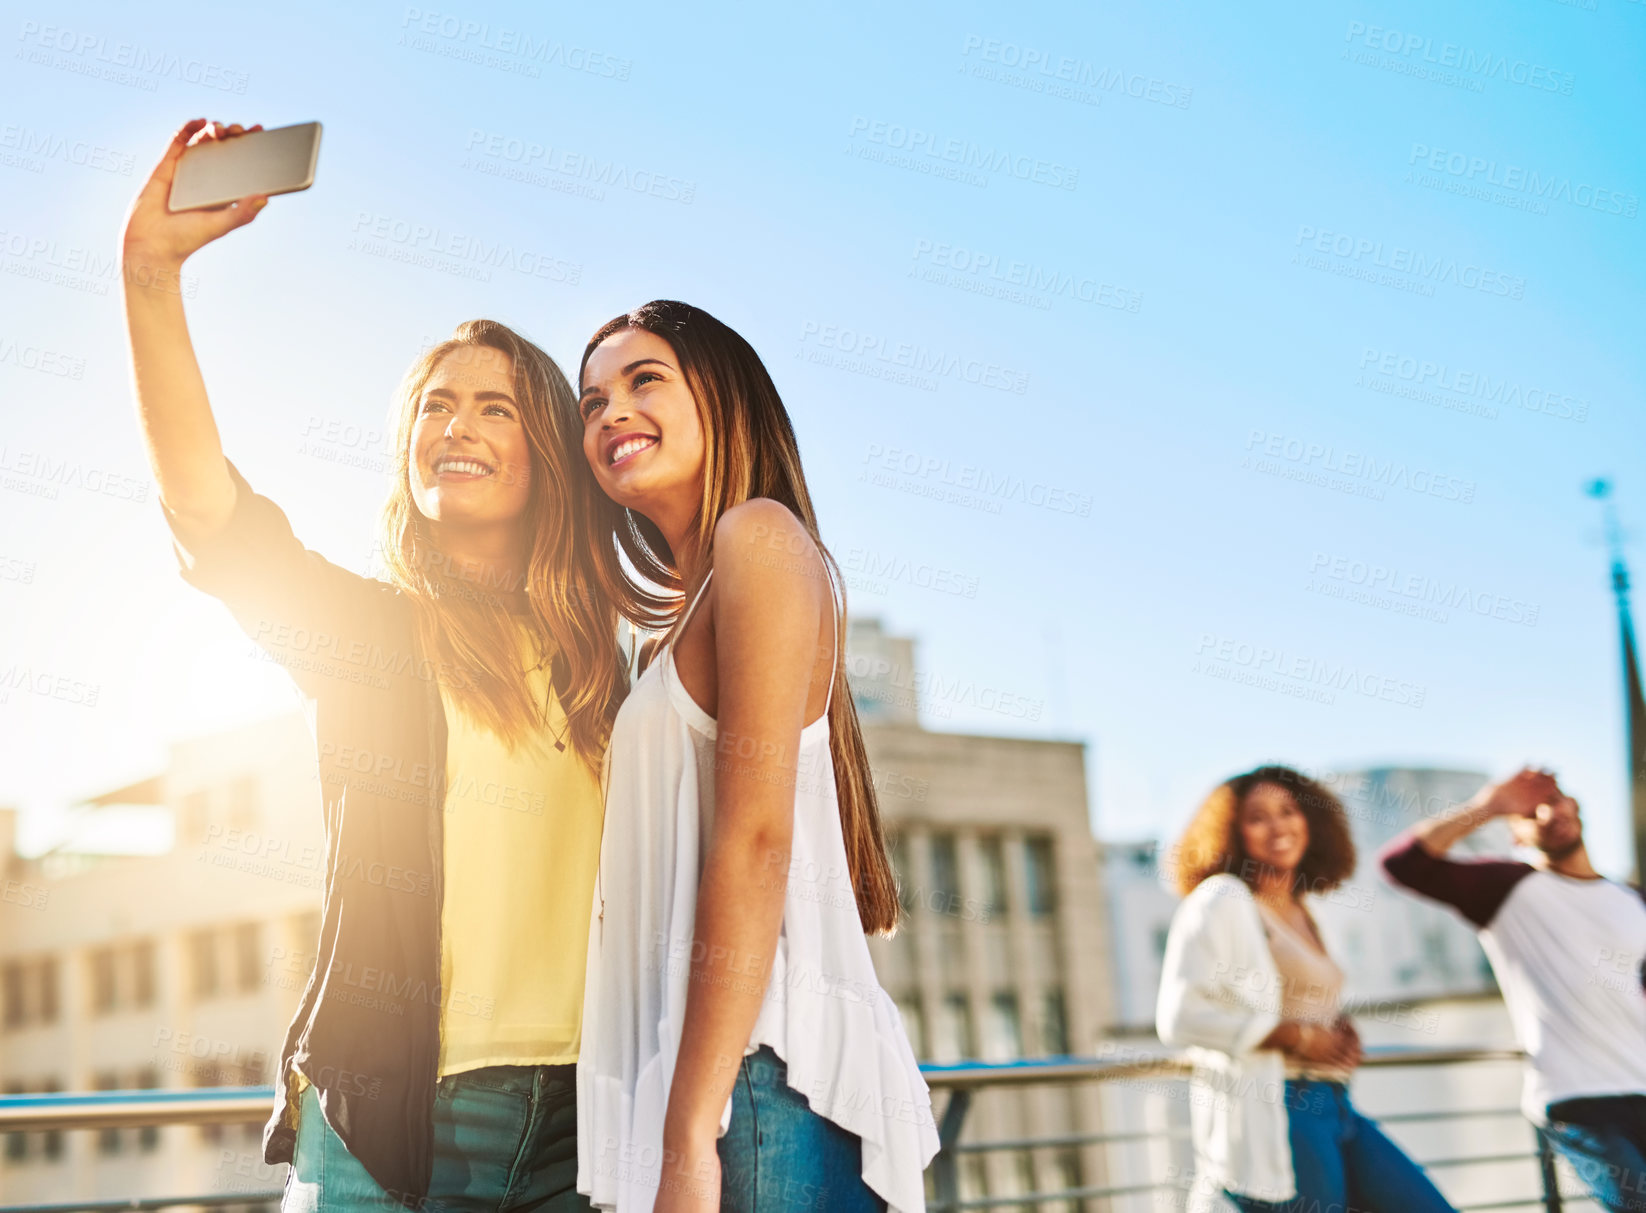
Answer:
(750, 451)
(466, 628)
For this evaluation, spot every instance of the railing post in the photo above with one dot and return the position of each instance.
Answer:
(1551, 1177)
(946, 1166)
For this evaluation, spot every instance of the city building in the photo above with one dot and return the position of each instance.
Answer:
(1005, 953)
(179, 969)
(1140, 909)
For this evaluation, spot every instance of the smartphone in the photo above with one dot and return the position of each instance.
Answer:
(280, 161)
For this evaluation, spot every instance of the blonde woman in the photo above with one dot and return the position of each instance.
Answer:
(461, 710)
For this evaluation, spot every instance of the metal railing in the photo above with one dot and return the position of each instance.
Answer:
(244, 1105)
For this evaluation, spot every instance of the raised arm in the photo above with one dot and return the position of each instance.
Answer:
(173, 412)
(1517, 796)
(1475, 888)
(766, 624)
(230, 542)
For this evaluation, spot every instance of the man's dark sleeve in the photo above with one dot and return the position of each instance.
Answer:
(1475, 888)
(308, 614)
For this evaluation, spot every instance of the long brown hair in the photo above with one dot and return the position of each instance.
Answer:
(1212, 843)
(750, 451)
(467, 629)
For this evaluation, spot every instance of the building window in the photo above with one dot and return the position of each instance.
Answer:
(148, 1136)
(1022, 1178)
(108, 1140)
(52, 1142)
(994, 875)
(1003, 1037)
(203, 963)
(914, 1025)
(17, 1144)
(142, 963)
(209, 1074)
(1042, 882)
(896, 854)
(1054, 1024)
(974, 1182)
(945, 890)
(13, 980)
(247, 962)
(1066, 1166)
(243, 803)
(103, 992)
(952, 1031)
(196, 816)
(48, 989)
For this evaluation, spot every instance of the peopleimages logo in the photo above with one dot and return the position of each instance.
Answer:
(1067, 77)
(964, 153)
(1426, 373)
(121, 62)
(860, 347)
(1037, 280)
(1362, 253)
(1549, 187)
(1467, 60)
(1328, 465)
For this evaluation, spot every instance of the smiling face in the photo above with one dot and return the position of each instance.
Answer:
(642, 434)
(1274, 832)
(470, 461)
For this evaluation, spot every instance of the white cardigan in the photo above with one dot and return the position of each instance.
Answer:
(1219, 997)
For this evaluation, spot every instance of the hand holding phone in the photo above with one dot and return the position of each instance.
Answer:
(216, 171)
(157, 239)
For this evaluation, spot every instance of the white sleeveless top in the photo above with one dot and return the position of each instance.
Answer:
(825, 1013)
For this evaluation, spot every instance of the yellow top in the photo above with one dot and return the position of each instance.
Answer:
(522, 845)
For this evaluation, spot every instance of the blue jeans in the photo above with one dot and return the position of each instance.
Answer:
(1343, 1162)
(505, 1138)
(778, 1156)
(1604, 1137)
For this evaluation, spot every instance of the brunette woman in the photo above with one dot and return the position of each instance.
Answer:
(1248, 986)
(461, 708)
(739, 1052)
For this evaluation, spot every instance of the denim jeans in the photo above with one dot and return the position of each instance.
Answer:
(1604, 1138)
(1343, 1162)
(505, 1138)
(778, 1156)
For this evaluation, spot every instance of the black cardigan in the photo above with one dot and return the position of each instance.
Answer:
(367, 1032)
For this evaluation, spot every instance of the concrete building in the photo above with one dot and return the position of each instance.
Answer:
(1140, 909)
(173, 970)
(1005, 953)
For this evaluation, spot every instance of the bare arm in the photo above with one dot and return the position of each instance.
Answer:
(173, 412)
(766, 625)
(1518, 795)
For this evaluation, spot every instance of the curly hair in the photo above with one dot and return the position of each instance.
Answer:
(1212, 843)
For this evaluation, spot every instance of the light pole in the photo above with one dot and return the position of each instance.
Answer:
(1634, 703)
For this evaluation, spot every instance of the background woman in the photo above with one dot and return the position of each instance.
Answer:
(730, 988)
(1248, 986)
(461, 709)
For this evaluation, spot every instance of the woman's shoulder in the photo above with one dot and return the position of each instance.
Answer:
(1221, 887)
(760, 541)
(762, 519)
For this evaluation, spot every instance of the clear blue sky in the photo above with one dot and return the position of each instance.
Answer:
(1272, 219)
